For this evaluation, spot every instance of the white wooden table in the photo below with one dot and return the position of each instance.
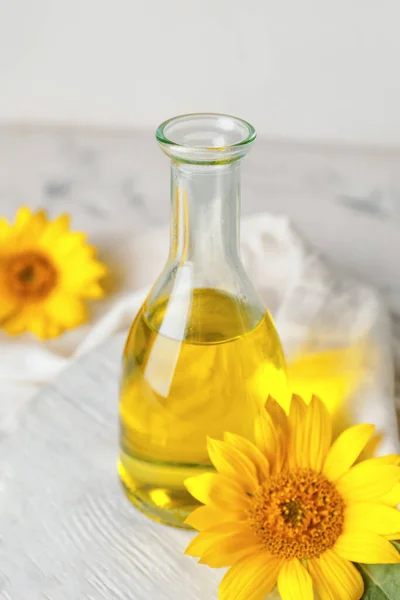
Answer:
(66, 530)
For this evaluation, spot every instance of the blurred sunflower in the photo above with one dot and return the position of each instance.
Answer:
(46, 273)
(292, 509)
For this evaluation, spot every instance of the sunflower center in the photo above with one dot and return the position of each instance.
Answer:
(297, 514)
(30, 275)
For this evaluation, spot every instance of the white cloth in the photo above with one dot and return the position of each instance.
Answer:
(300, 288)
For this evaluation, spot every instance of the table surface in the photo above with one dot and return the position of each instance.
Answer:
(67, 530)
(345, 201)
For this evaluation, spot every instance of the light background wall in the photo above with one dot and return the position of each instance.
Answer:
(314, 69)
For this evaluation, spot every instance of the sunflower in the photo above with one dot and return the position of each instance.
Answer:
(46, 273)
(295, 510)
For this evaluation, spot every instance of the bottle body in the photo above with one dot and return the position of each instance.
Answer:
(176, 392)
(202, 355)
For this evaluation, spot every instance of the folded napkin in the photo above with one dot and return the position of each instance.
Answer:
(315, 308)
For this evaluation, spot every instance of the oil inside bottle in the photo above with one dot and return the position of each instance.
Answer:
(191, 369)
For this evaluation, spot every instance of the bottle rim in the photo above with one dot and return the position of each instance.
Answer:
(205, 138)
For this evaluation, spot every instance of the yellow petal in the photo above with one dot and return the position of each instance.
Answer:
(54, 230)
(366, 547)
(310, 438)
(230, 527)
(67, 243)
(79, 255)
(29, 227)
(271, 431)
(368, 482)
(277, 413)
(266, 437)
(394, 537)
(370, 516)
(388, 459)
(297, 411)
(91, 290)
(39, 326)
(206, 517)
(297, 416)
(32, 319)
(199, 486)
(16, 324)
(53, 330)
(22, 217)
(372, 447)
(5, 230)
(229, 495)
(227, 550)
(78, 276)
(229, 461)
(250, 578)
(38, 223)
(295, 582)
(391, 498)
(249, 450)
(219, 490)
(205, 540)
(335, 578)
(201, 542)
(67, 311)
(8, 309)
(346, 449)
(20, 321)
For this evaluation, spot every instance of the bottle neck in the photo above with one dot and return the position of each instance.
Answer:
(205, 213)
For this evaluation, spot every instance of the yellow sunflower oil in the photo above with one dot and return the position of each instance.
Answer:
(211, 377)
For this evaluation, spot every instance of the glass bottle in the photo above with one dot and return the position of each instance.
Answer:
(202, 354)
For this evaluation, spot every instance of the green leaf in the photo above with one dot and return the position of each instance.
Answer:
(382, 582)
